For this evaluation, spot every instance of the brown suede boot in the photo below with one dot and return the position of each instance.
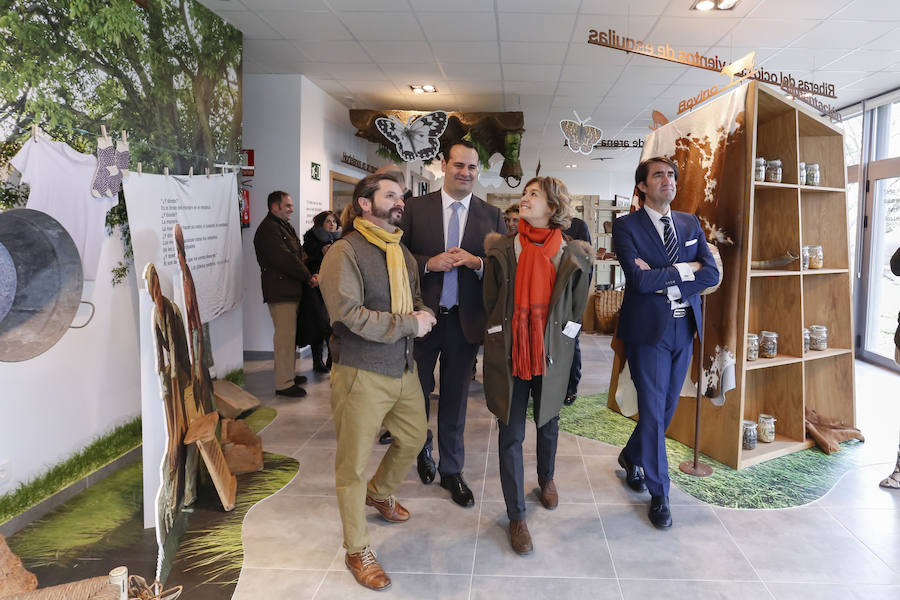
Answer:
(389, 508)
(519, 538)
(549, 495)
(367, 571)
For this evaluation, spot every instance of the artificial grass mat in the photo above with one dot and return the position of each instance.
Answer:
(102, 527)
(791, 480)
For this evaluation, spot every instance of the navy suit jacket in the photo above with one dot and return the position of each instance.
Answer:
(645, 313)
(423, 234)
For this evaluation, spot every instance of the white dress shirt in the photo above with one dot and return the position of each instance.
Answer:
(684, 270)
(463, 214)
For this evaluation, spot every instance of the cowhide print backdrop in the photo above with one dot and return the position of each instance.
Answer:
(710, 146)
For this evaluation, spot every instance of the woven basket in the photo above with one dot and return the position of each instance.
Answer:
(606, 310)
(96, 588)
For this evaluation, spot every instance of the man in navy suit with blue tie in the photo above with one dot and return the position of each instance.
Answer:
(667, 263)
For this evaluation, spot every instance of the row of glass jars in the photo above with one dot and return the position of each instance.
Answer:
(811, 257)
(765, 344)
(763, 430)
(771, 171)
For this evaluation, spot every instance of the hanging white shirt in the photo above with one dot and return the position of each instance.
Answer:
(60, 180)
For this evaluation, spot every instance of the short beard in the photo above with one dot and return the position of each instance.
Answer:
(388, 215)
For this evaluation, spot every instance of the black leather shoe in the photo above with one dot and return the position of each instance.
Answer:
(459, 491)
(299, 379)
(425, 466)
(320, 367)
(295, 391)
(570, 399)
(386, 438)
(659, 514)
(634, 475)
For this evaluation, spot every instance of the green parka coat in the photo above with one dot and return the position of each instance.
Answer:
(567, 302)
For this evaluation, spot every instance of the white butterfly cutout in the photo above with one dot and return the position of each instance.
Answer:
(581, 137)
(418, 138)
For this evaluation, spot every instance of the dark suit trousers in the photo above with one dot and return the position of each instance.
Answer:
(575, 371)
(457, 360)
(658, 372)
(509, 443)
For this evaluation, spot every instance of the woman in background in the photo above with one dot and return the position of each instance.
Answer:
(536, 285)
(316, 242)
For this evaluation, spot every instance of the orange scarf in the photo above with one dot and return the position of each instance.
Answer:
(535, 275)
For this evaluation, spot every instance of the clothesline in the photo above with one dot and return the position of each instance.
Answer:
(43, 125)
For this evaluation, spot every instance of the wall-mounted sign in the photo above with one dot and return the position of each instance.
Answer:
(807, 98)
(613, 144)
(348, 159)
(316, 171)
(611, 39)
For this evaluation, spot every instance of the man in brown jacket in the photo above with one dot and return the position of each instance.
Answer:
(370, 284)
(283, 274)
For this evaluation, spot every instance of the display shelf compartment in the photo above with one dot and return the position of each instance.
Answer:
(776, 134)
(773, 185)
(778, 392)
(829, 386)
(821, 144)
(823, 218)
(775, 305)
(765, 363)
(824, 303)
(827, 353)
(776, 225)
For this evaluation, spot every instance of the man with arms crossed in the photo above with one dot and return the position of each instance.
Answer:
(445, 231)
(370, 285)
(667, 263)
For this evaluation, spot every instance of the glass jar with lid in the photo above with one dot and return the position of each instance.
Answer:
(812, 174)
(805, 339)
(801, 174)
(773, 170)
(748, 438)
(816, 257)
(804, 258)
(752, 346)
(766, 428)
(759, 169)
(818, 337)
(768, 344)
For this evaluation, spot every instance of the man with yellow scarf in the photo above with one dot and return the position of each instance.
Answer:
(370, 284)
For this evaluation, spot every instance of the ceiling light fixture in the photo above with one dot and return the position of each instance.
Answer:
(707, 5)
(572, 166)
(423, 89)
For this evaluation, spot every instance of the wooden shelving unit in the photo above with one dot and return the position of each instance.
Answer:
(787, 216)
(781, 217)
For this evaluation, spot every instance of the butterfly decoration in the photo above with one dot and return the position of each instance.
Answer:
(579, 136)
(418, 137)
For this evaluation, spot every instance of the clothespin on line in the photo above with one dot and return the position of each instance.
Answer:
(191, 172)
(140, 168)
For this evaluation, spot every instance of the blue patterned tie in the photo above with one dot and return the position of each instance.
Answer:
(669, 240)
(450, 291)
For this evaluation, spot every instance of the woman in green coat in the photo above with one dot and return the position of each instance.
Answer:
(536, 285)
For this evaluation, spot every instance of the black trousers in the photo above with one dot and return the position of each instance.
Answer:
(575, 371)
(457, 356)
(510, 439)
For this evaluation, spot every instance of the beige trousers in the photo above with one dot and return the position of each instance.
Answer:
(360, 402)
(284, 318)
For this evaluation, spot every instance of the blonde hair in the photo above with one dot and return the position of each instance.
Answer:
(557, 198)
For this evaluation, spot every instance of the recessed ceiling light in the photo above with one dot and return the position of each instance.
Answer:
(429, 88)
(704, 5)
(423, 89)
(572, 166)
(726, 4)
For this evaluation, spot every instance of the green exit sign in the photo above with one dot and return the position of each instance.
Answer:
(316, 171)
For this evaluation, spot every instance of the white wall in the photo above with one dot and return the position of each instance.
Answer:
(271, 127)
(81, 388)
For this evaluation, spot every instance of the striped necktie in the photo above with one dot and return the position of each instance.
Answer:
(669, 240)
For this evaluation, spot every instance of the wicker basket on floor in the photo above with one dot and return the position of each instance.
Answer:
(606, 310)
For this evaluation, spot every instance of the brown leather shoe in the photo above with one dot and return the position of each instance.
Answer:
(366, 569)
(389, 508)
(549, 495)
(519, 538)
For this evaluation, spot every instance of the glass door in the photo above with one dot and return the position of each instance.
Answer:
(879, 301)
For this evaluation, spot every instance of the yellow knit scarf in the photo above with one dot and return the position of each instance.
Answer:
(401, 296)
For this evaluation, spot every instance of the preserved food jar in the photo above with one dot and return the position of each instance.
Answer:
(773, 171)
(818, 337)
(752, 346)
(766, 429)
(759, 169)
(749, 436)
(816, 257)
(768, 344)
(812, 174)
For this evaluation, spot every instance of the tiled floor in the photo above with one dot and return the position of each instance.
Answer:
(597, 544)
